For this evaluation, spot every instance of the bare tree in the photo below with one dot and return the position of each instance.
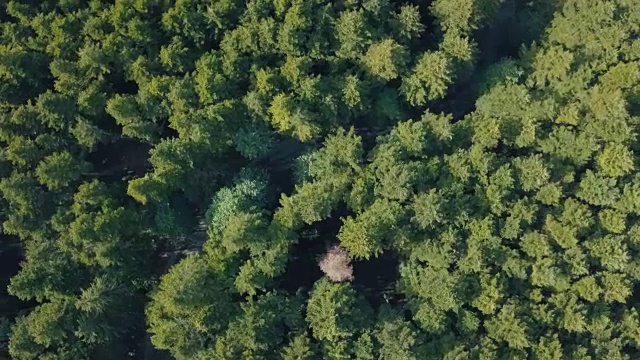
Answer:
(336, 264)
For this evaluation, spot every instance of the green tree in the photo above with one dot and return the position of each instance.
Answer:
(288, 117)
(397, 337)
(181, 315)
(368, 233)
(429, 79)
(385, 60)
(60, 170)
(335, 313)
(127, 114)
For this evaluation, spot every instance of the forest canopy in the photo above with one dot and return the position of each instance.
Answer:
(313, 179)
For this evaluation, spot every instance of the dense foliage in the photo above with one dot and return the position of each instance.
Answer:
(464, 172)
